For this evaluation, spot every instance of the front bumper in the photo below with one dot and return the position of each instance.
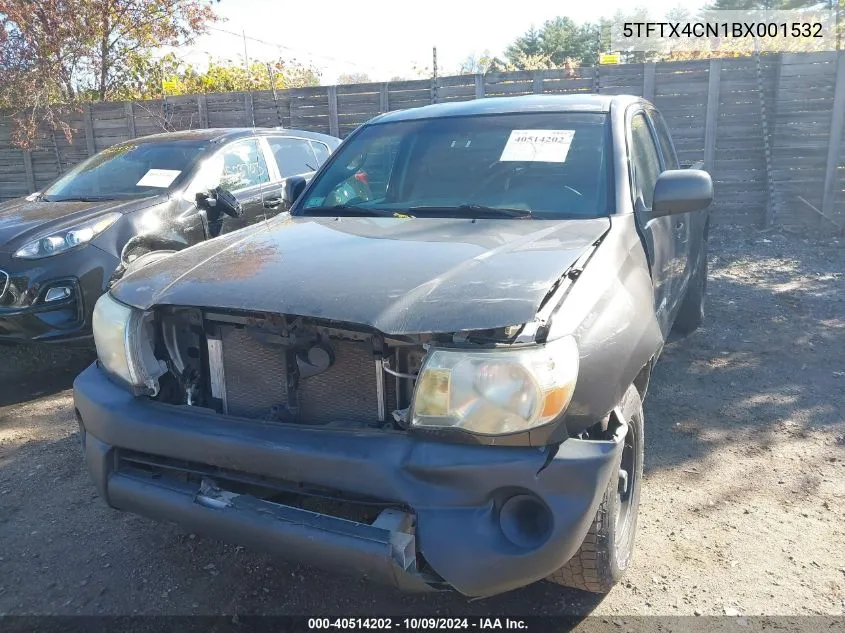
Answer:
(456, 492)
(24, 313)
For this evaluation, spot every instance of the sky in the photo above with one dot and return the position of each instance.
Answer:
(385, 38)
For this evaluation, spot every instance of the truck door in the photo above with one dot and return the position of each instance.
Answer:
(658, 233)
(684, 225)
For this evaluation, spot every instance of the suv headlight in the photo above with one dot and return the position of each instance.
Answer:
(65, 239)
(495, 392)
(125, 338)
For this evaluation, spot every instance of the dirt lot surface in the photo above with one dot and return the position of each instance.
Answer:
(743, 507)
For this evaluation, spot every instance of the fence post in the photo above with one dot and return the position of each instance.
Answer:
(202, 107)
(479, 86)
(334, 124)
(383, 102)
(649, 69)
(249, 108)
(834, 144)
(30, 174)
(712, 115)
(56, 152)
(89, 130)
(130, 118)
(775, 201)
(537, 82)
(768, 212)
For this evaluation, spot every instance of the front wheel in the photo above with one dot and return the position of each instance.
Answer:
(606, 552)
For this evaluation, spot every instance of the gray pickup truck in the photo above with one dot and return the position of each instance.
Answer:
(430, 371)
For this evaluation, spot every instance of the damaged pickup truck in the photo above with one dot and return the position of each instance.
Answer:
(429, 372)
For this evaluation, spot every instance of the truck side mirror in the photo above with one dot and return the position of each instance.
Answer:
(681, 191)
(294, 186)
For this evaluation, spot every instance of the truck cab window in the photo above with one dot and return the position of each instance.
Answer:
(644, 158)
(670, 158)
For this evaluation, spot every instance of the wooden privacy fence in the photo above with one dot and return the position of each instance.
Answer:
(769, 129)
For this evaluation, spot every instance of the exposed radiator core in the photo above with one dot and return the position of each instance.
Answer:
(255, 374)
(255, 380)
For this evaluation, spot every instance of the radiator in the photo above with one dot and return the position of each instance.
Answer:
(255, 381)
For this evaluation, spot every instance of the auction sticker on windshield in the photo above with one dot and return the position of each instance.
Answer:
(542, 146)
(158, 178)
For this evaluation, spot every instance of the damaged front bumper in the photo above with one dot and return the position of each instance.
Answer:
(479, 519)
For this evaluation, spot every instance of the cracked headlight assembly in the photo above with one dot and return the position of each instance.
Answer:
(65, 239)
(125, 339)
(497, 391)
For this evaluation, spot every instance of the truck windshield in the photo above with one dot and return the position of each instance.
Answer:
(129, 170)
(525, 165)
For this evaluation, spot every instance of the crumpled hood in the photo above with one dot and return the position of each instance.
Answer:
(398, 275)
(22, 219)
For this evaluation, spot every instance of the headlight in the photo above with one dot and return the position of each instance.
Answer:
(497, 391)
(63, 240)
(124, 338)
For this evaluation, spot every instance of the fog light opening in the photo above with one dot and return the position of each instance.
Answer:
(525, 521)
(57, 293)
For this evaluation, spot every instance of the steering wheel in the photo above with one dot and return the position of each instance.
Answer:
(498, 170)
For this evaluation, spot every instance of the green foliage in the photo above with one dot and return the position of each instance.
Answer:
(477, 64)
(66, 51)
(353, 78)
(168, 76)
(769, 5)
(558, 41)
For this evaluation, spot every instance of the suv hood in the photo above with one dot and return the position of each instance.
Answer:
(22, 219)
(397, 275)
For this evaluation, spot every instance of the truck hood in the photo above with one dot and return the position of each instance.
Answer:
(397, 275)
(22, 219)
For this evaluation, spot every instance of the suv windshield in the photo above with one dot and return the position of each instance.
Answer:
(540, 165)
(128, 170)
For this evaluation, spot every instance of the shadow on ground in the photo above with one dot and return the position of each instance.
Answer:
(768, 363)
(28, 372)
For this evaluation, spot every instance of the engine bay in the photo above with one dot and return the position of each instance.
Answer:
(294, 370)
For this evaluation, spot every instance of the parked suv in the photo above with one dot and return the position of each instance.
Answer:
(431, 371)
(60, 248)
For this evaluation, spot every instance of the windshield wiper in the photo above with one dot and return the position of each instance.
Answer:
(478, 209)
(351, 209)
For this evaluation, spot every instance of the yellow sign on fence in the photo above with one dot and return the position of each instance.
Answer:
(609, 58)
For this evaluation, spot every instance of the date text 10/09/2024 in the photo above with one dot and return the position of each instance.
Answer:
(418, 624)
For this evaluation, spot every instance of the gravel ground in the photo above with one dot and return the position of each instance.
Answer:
(742, 506)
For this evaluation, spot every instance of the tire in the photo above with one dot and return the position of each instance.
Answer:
(606, 552)
(691, 314)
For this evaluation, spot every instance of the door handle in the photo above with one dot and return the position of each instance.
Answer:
(272, 203)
